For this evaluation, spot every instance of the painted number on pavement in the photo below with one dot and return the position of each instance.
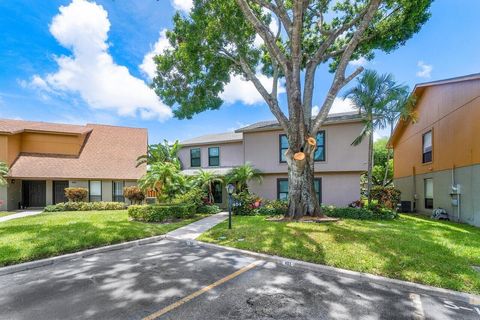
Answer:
(451, 305)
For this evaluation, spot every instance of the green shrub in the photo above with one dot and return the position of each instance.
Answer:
(160, 213)
(388, 197)
(273, 208)
(245, 204)
(194, 196)
(76, 194)
(84, 206)
(371, 213)
(208, 209)
(134, 194)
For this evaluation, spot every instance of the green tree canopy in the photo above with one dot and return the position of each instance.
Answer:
(3, 173)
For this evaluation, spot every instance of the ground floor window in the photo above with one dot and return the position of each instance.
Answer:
(428, 185)
(117, 191)
(282, 189)
(317, 184)
(95, 191)
(217, 192)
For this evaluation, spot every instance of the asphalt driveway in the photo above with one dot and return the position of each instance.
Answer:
(174, 279)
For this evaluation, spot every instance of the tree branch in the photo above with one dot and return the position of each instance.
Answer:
(339, 79)
(280, 11)
(270, 99)
(265, 33)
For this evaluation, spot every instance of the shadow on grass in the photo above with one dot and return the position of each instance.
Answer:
(53, 234)
(409, 248)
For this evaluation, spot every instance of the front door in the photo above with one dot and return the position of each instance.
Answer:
(59, 191)
(34, 193)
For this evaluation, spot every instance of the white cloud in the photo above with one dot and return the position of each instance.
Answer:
(425, 70)
(90, 71)
(359, 62)
(148, 65)
(339, 106)
(238, 89)
(184, 5)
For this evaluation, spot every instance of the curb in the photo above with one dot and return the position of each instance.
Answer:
(76, 255)
(337, 272)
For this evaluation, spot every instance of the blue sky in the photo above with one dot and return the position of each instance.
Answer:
(87, 64)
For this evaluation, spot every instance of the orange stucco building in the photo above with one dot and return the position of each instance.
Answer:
(437, 157)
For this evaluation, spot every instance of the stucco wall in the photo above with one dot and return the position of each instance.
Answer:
(14, 194)
(338, 189)
(3, 198)
(231, 155)
(51, 143)
(467, 177)
(262, 150)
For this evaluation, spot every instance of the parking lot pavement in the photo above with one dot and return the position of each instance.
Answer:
(178, 280)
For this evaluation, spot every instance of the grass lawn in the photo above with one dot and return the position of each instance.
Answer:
(410, 248)
(51, 234)
(6, 213)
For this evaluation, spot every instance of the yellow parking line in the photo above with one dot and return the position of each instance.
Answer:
(169, 308)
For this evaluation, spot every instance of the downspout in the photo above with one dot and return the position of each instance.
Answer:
(415, 196)
(457, 193)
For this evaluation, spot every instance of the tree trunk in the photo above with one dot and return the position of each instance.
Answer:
(388, 158)
(302, 200)
(370, 167)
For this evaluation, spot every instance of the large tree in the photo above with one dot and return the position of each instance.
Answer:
(216, 41)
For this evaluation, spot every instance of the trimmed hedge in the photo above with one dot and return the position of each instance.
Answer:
(273, 208)
(76, 194)
(360, 213)
(208, 209)
(85, 206)
(160, 213)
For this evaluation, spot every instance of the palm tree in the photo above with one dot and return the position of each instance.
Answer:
(241, 175)
(165, 178)
(206, 180)
(400, 107)
(3, 173)
(371, 95)
(161, 152)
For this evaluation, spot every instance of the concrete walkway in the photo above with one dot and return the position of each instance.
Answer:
(194, 230)
(20, 214)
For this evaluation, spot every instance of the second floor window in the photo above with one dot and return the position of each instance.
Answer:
(283, 147)
(214, 157)
(427, 147)
(95, 191)
(195, 158)
(319, 152)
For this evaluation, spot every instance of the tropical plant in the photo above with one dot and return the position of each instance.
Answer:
(3, 173)
(76, 194)
(134, 194)
(400, 107)
(161, 152)
(206, 180)
(216, 42)
(370, 96)
(166, 179)
(241, 175)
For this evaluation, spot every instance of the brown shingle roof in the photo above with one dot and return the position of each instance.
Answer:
(109, 153)
(10, 126)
